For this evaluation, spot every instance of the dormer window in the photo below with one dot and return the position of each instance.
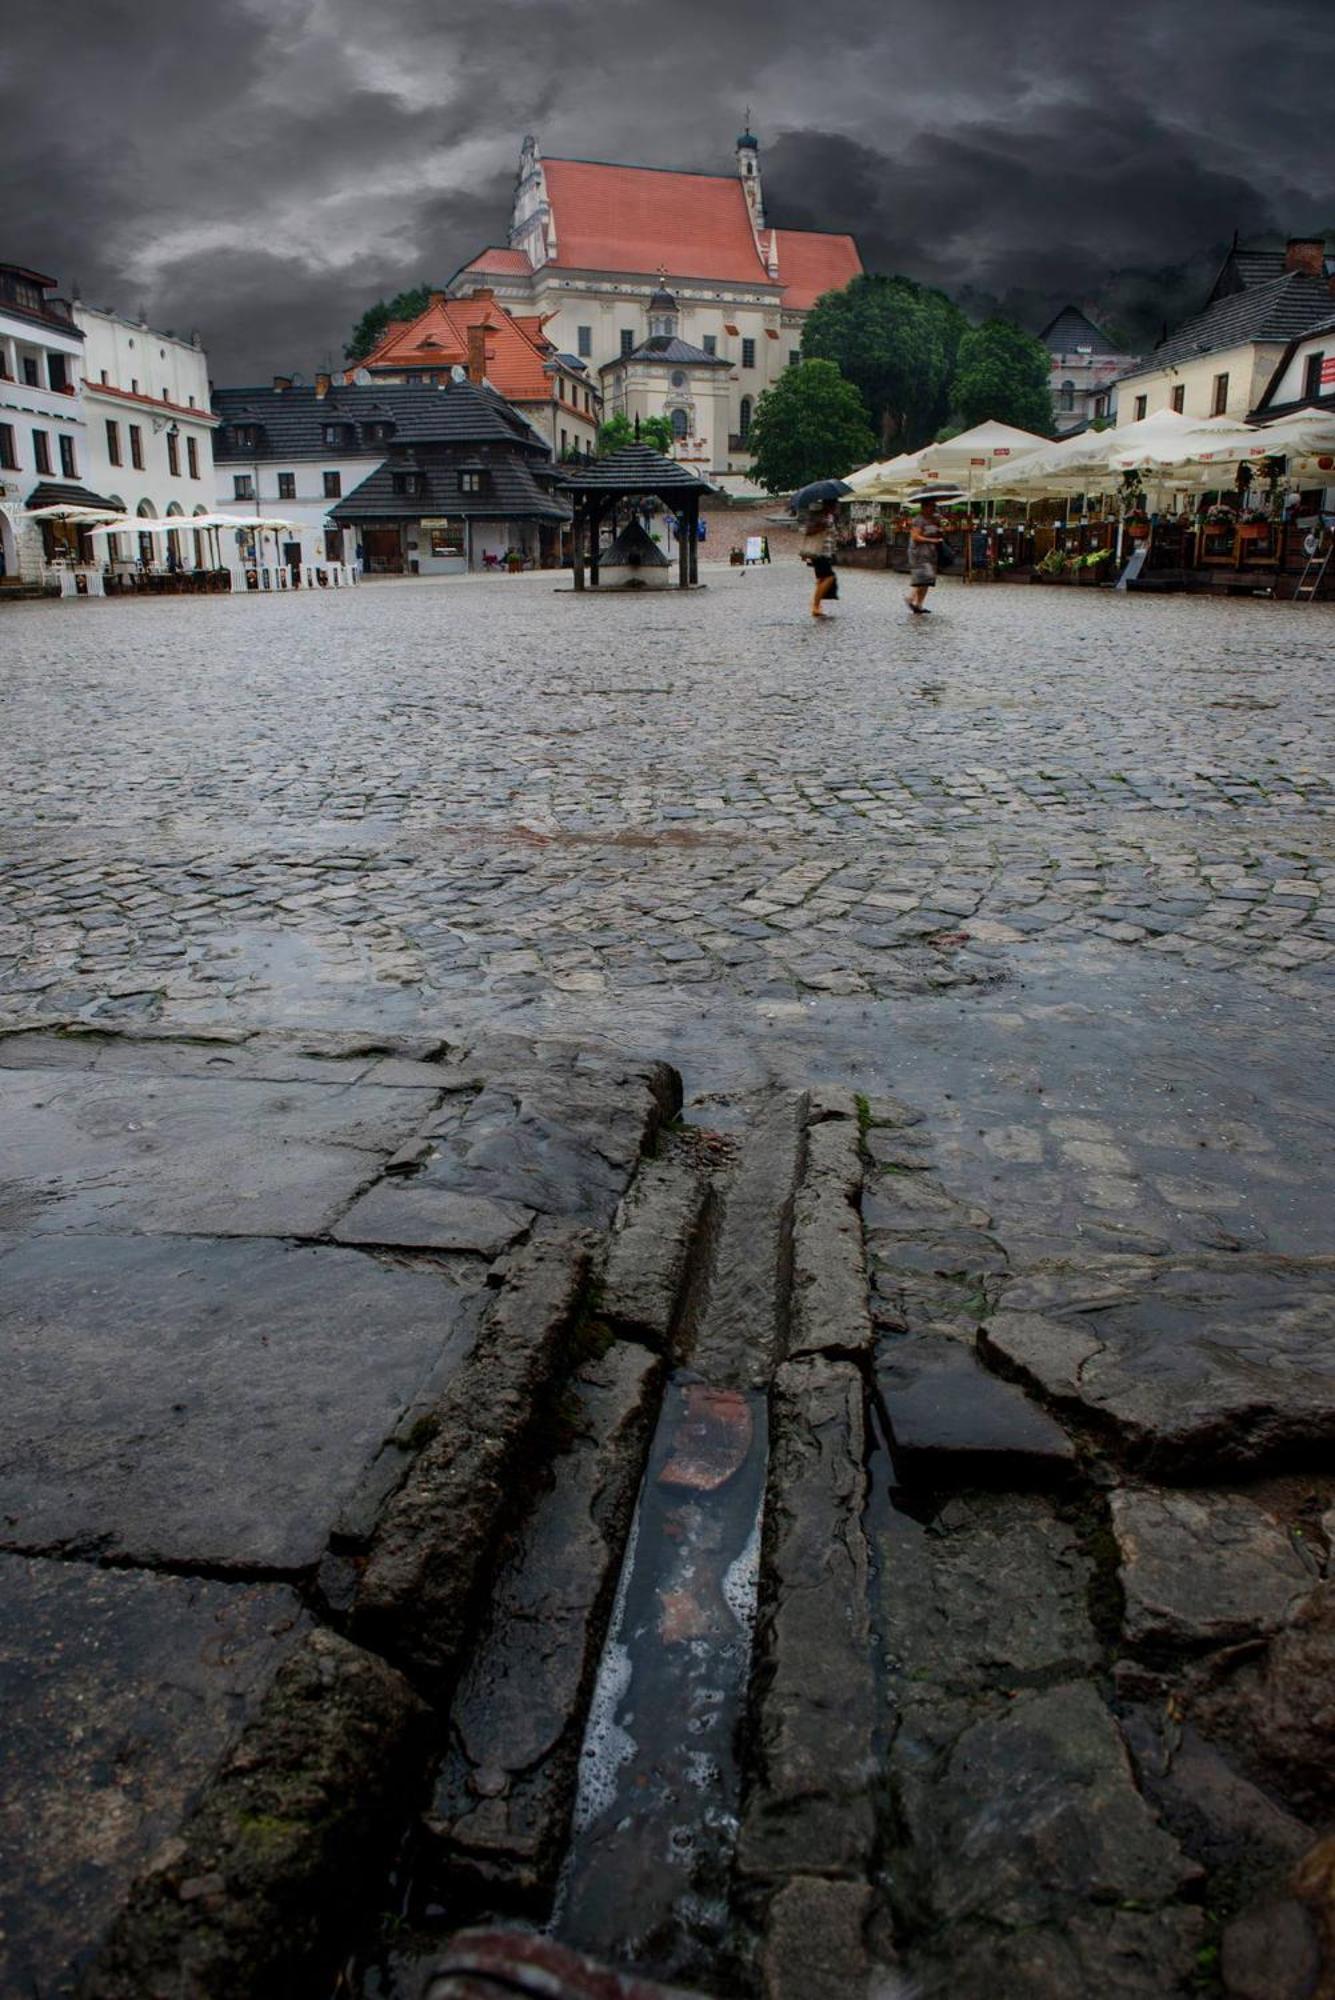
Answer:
(472, 481)
(407, 482)
(378, 433)
(338, 434)
(245, 437)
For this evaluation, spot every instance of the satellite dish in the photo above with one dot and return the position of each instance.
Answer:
(362, 378)
(458, 374)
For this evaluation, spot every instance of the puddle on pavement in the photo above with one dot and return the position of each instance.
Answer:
(660, 1778)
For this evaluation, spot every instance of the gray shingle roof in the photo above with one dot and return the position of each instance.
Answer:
(1071, 329)
(668, 348)
(636, 468)
(512, 493)
(1276, 310)
(291, 422)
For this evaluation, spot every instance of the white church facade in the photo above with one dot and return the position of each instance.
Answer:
(674, 289)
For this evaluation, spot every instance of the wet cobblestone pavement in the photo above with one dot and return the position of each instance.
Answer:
(489, 797)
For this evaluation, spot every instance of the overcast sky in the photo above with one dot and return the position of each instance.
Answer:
(263, 169)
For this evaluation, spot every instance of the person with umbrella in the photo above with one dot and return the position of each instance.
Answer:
(817, 502)
(925, 537)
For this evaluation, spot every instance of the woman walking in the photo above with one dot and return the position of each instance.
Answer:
(924, 551)
(818, 545)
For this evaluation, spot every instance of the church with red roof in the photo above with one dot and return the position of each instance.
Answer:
(597, 253)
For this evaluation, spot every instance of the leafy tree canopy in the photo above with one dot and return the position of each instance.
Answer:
(1005, 373)
(370, 328)
(619, 430)
(811, 425)
(896, 341)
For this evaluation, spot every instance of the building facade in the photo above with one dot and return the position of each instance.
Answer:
(1085, 368)
(556, 392)
(1220, 362)
(397, 478)
(591, 244)
(43, 434)
(1304, 376)
(150, 428)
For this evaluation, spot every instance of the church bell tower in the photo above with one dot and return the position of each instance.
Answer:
(748, 170)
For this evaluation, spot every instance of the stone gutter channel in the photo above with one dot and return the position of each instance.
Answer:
(765, 1590)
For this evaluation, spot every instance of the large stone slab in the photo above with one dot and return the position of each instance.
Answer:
(950, 1419)
(1189, 1368)
(1278, 1710)
(120, 1693)
(145, 1152)
(206, 1402)
(1027, 1817)
(1203, 1568)
(263, 1890)
(560, 1137)
(992, 1594)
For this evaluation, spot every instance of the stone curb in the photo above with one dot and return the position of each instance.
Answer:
(503, 1802)
(255, 1895)
(416, 1592)
(808, 1809)
(649, 1257)
(830, 1312)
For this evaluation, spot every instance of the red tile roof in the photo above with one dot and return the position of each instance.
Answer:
(811, 263)
(516, 348)
(638, 218)
(497, 261)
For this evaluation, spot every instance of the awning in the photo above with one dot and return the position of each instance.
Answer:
(63, 494)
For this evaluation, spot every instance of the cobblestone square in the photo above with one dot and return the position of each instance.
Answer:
(1051, 850)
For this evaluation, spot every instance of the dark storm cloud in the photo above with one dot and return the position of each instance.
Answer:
(262, 169)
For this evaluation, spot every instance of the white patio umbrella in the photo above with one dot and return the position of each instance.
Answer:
(965, 460)
(62, 512)
(1071, 463)
(861, 482)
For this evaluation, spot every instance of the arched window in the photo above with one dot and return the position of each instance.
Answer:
(744, 419)
(1068, 395)
(147, 553)
(680, 423)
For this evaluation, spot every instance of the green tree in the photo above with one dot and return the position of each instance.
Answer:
(811, 425)
(1005, 373)
(370, 328)
(619, 430)
(896, 341)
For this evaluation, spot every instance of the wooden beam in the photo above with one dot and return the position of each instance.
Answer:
(684, 549)
(695, 538)
(595, 537)
(577, 530)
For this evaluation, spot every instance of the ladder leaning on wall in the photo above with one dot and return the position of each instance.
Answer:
(1314, 572)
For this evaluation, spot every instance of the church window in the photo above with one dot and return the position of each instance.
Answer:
(748, 354)
(794, 356)
(584, 340)
(679, 423)
(744, 419)
(679, 378)
(627, 339)
(710, 343)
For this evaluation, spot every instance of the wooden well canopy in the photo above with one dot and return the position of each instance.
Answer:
(636, 472)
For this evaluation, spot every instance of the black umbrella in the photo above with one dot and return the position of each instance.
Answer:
(818, 494)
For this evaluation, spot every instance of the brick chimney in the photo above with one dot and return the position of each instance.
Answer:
(477, 353)
(482, 292)
(1306, 254)
(322, 384)
(281, 383)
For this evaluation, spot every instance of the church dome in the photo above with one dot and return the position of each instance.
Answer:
(748, 138)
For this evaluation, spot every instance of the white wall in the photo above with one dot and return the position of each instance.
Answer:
(311, 506)
(52, 413)
(1290, 386)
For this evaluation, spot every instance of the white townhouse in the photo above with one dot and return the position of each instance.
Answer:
(149, 429)
(43, 440)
